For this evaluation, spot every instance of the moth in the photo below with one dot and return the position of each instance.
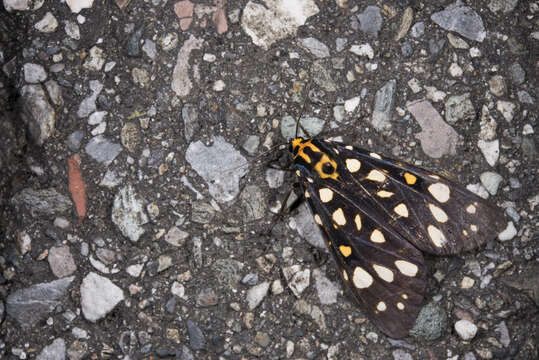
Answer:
(378, 216)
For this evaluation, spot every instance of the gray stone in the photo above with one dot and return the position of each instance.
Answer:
(42, 202)
(298, 281)
(307, 228)
(459, 107)
(275, 20)
(95, 59)
(55, 92)
(274, 178)
(130, 136)
(251, 144)
(457, 42)
(149, 49)
(61, 261)
(418, 29)
(370, 20)
(507, 109)
(37, 113)
(525, 98)
(253, 203)
(190, 121)
(54, 351)
(504, 6)
(250, 279)
(497, 85)
(490, 150)
(176, 237)
(461, 19)
(77, 350)
(311, 124)
(323, 77)
(517, 73)
(326, 289)
(256, 294)
(315, 47)
(196, 336)
(436, 136)
(491, 181)
(72, 30)
(436, 45)
(503, 331)
(430, 322)
(202, 212)
(98, 296)
(48, 24)
(229, 271)
(102, 149)
(30, 305)
(181, 82)
(87, 106)
(34, 73)
(220, 165)
(508, 233)
(400, 354)
(383, 106)
(128, 213)
(465, 329)
(406, 49)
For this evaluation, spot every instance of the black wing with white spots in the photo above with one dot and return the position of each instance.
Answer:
(377, 216)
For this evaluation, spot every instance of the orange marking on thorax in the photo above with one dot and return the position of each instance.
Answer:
(298, 143)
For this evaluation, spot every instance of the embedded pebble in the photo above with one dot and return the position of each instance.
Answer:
(497, 85)
(128, 213)
(77, 5)
(72, 30)
(256, 294)
(176, 237)
(508, 233)
(208, 162)
(507, 109)
(98, 296)
(61, 261)
(363, 50)
(311, 124)
(326, 289)
(102, 150)
(465, 329)
(42, 202)
(95, 59)
(383, 106)
(490, 150)
(491, 181)
(55, 351)
(37, 113)
(48, 24)
(307, 228)
(315, 47)
(370, 20)
(461, 19)
(459, 107)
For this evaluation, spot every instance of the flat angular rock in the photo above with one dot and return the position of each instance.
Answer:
(37, 113)
(383, 106)
(370, 20)
(54, 351)
(102, 149)
(220, 165)
(276, 20)
(98, 296)
(61, 261)
(128, 213)
(181, 81)
(30, 305)
(307, 228)
(42, 202)
(461, 19)
(436, 136)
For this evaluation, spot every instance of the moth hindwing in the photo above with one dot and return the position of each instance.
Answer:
(378, 215)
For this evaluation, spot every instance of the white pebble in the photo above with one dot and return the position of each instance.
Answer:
(363, 50)
(455, 70)
(509, 232)
(219, 85)
(466, 329)
(351, 104)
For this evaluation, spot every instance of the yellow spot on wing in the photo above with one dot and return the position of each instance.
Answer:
(346, 251)
(400, 306)
(410, 179)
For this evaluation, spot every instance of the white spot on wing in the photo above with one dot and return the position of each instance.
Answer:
(326, 195)
(384, 194)
(361, 278)
(317, 219)
(353, 165)
(349, 147)
(338, 217)
(400, 306)
(471, 209)
(406, 268)
(439, 191)
(357, 220)
(436, 236)
(377, 236)
(383, 272)
(344, 275)
(401, 210)
(307, 195)
(375, 155)
(376, 175)
(438, 213)
(473, 228)
(381, 306)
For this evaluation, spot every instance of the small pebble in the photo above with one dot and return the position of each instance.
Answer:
(466, 329)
